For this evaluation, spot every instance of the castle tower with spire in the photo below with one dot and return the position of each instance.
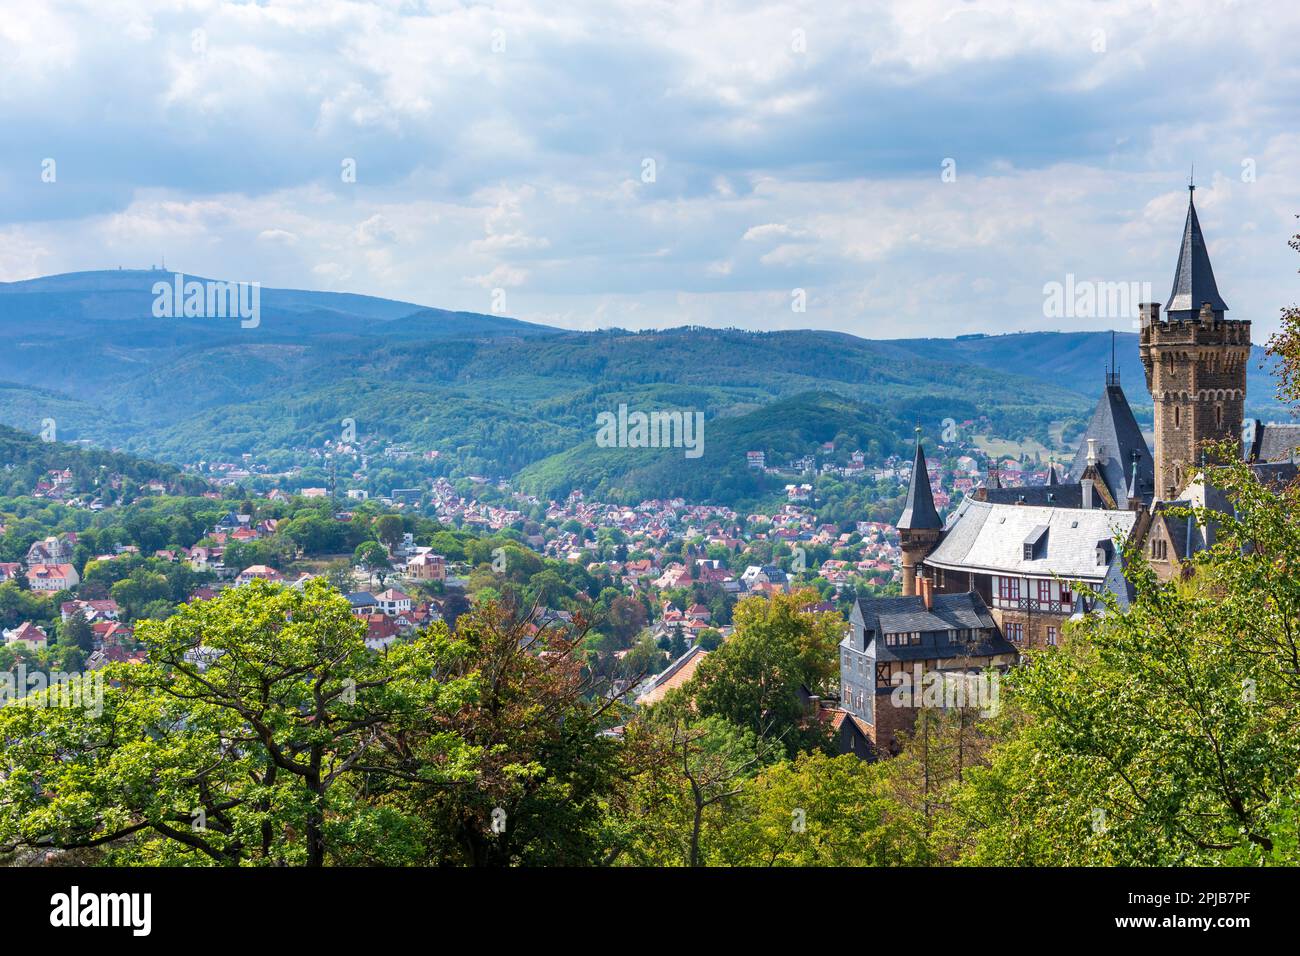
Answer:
(919, 528)
(1195, 361)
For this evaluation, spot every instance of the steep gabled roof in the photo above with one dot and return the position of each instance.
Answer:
(1118, 438)
(918, 510)
(1193, 278)
(1275, 441)
(989, 538)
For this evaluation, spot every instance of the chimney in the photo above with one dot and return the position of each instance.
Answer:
(1087, 492)
(927, 594)
(1150, 312)
(1207, 314)
(1092, 451)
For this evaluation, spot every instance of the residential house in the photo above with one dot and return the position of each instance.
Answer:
(106, 609)
(28, 635)
(380, 631)
(259, 571)
(393, 602)
(424, 565)
(52, 577)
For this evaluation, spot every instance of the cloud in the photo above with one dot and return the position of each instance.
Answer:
(376, 231)
(796, 144)
(501, 277)
(278, 236)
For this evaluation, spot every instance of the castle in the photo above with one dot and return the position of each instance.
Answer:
(1012, 565)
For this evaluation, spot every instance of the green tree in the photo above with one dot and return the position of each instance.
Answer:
(754, 679)
(389, 529)
(140, 588)
(263, 756)
(819, 810)
(543, 776)
(76, 632)
(373, 558)
(686, 774)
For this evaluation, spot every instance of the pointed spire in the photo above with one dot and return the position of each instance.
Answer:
(1051, 472)
(918, 510)
(1193, 278)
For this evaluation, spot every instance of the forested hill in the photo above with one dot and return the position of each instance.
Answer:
(494, 396)
(26, 460)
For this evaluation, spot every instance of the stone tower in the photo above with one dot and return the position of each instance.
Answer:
(1195, 363)
(919, 527)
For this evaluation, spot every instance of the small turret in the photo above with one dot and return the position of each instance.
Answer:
(919, 527)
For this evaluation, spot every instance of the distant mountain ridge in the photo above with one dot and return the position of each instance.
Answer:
(496, 396)
(127, 294)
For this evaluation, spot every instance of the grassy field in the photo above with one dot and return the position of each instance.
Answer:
(1006, 448)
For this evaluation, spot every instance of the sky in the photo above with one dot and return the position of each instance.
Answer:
(925, 167)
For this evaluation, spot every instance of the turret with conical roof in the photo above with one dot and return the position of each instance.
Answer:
(918, 510)
(919, 527)
(1194, 283)
(1195, 363)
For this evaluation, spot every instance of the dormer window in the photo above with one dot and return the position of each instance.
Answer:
(1035, 545)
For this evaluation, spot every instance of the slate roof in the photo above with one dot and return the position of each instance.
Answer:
(1275, 441)
(1193, 277)
(1277, 473)
(990, 537)
(1118, 437)
(918, 510)
(905, 615)
(1058, 496)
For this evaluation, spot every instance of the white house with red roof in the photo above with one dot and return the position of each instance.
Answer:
(27, 634)
(99, 610)
(380, 631)
(259, 571)
(52, 577)
(698, 612)
(393, 602)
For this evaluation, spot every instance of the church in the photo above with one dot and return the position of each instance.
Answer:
(1011, 565)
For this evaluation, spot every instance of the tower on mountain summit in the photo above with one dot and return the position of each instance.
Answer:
(1195, 361)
